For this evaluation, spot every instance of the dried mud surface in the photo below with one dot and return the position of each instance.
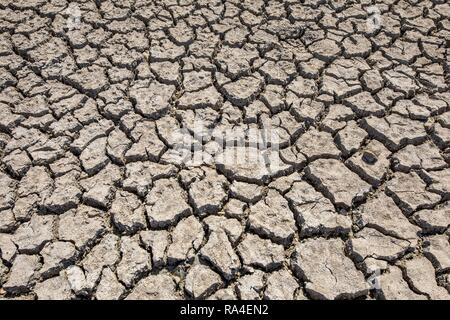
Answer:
(353, 205)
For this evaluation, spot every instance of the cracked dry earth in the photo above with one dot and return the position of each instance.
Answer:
(93, 206)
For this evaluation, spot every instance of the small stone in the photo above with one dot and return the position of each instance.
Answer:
(371, 162)
(372, 266)
(369, 157)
